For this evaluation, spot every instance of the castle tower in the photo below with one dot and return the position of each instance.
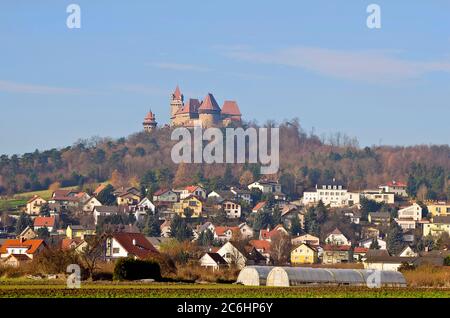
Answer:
(209, 112)
(176, 103)
(149, 122)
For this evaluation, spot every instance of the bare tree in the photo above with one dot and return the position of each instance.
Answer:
(92, 253)
(280, 249)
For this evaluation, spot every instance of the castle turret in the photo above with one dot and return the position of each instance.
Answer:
(149, 122)
(176, 103)
(209, 111)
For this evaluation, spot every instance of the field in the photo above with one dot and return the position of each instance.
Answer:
(57, 289)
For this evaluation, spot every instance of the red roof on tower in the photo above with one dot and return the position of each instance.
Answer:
(209, 104)
(191, 106)
(230, 107)
(177, 94)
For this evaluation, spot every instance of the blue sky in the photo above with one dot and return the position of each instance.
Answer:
(315, 60)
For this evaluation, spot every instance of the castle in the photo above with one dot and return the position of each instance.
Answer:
(191, 112)
(208, 112)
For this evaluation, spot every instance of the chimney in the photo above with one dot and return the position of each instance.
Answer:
(426, 248)
(134, 242)
(22, 239)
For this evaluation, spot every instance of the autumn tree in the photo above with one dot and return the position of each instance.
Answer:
(246, 178)
(183, 175)
(54, 186)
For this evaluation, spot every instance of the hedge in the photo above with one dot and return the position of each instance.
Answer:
(134, 269)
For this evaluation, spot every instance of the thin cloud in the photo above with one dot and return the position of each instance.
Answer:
(180, 67)
(24, 88)
(371, 66)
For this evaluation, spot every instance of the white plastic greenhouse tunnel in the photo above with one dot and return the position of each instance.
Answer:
(298, 276)
(254, 275)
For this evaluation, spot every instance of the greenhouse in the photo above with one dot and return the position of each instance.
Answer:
(254, 275)
(298, 276)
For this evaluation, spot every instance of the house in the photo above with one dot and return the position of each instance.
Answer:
(16, 260)
(232, 209)
(192, 190)
(165, 229)
(165, 196)
(408, 252)
(191, 202)
(100, 188)
(354, 216)
(359, 253)
(90, 204)
(70, 243)
(104, 211)
(379, 218)
(337, 238)
(263, 247)
(336, 254)
(219, 196)
(79, 231)
(441, 208)
(269, 234)
(133, 245)
(304, 254)
(290, 212)
(398, 188)
(411, 212)
(265, 186)
(369, 232)
(34, 205)
(44, 222)
(65, 199)
(242, 195)
(240, 257)
(259, 207)
(333, 194)
(28, 248)
(368, 242)
(128, 196)
(146, 205)
(27, 234)
(406, 224)
(226, 233)
(379, 196)
(246, 231)
(382, 260)
(213, 261)
(439, 225)
(207, 226)
(305, 239)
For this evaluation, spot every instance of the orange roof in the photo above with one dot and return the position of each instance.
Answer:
(42, 221)
(230, 107)
(265, 234)
(261, 245)
(259, 205)
(67, 243)
(100, 188)
(360, 249)
(191, 188)
(191, 106)
(220, 230)
(32, 245)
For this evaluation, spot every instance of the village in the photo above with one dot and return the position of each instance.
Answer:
(254, 225)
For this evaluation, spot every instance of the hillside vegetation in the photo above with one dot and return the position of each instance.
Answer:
(144, 160)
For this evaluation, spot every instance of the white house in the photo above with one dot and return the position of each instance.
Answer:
(337, 238)
(146, 205)
(379, 196)
(123, 244)
(232, 209)
(406, 224)
(90, 204)
(398, 188)
(213, 261)
(103, 211)
(242, 194)
(265, 186)
(367, 242)
(246, 231)
(411, 212)
(165, 229)
(191, 190)
(333, 194)
(232, 255)
(408, 252)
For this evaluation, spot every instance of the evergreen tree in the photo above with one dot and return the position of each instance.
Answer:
(106, 196)
(206, 238)
(276, 216)
(296, 228)
(394, 239)
(263, 220)
(179, 229)
(43, 233)
(22, 223)
(152, 227)
(374, 245)
(44, 210)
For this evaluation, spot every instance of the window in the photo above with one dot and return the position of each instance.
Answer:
(116, 250)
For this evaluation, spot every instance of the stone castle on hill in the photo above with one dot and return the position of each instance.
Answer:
(188, 113)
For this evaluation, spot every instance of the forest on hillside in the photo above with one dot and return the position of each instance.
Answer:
(143, 160)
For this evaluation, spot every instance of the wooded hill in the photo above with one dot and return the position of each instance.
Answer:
(143, 159)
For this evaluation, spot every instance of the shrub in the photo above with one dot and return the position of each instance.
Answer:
(447, 261)
(133, 269)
